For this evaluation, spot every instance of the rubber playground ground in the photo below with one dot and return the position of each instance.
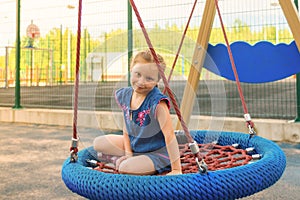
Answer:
(31, 158)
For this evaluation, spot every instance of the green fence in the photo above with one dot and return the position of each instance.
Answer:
(47, 62)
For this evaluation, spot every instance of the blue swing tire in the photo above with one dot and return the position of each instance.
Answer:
(232, 183)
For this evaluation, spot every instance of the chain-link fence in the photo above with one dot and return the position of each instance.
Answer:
(48, 62)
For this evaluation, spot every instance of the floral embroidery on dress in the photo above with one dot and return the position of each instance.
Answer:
(142, 116)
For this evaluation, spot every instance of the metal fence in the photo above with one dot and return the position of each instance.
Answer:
(47, 62)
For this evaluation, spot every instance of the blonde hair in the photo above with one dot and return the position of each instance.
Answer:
(147, 56)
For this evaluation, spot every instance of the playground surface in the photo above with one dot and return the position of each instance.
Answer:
(31, 158)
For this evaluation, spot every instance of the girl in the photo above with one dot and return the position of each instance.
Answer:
(148, 144)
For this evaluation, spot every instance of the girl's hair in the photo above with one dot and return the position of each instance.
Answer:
(146, 55)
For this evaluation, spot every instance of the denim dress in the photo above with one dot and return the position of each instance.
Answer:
(145, 134)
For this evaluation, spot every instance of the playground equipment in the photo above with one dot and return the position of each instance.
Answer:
(231, 183)
(241, 180)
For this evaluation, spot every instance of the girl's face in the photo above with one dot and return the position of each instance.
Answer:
(144, 77)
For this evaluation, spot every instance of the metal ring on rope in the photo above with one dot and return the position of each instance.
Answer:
(232, 183)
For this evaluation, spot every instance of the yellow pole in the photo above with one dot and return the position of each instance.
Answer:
(191, 87)
(291, 14)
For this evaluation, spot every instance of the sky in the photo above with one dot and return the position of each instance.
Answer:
(98, 14)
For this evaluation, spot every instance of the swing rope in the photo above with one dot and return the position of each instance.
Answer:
(192, 143)
(161, 72)
(74, 145)
(181, 42)
(247, 116)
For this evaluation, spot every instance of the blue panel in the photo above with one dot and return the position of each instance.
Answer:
(263, 62)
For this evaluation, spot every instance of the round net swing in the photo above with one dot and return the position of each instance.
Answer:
(235, 165)
(229, 183)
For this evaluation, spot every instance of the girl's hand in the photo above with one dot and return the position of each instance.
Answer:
(175, 172)
(120, 160)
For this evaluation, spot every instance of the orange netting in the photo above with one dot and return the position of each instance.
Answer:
(215, 156)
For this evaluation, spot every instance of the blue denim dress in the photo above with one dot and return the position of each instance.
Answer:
(145, 134)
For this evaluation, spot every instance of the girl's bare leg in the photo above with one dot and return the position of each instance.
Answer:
(137, 165)
(114, 145)
(110, 144)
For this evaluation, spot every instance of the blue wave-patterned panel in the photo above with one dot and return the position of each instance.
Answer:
(260, 63)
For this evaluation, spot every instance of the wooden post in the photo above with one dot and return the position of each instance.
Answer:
(191, 87)
(291, 14)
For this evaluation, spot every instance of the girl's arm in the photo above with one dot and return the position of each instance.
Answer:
(127, 148)
(164, 119)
